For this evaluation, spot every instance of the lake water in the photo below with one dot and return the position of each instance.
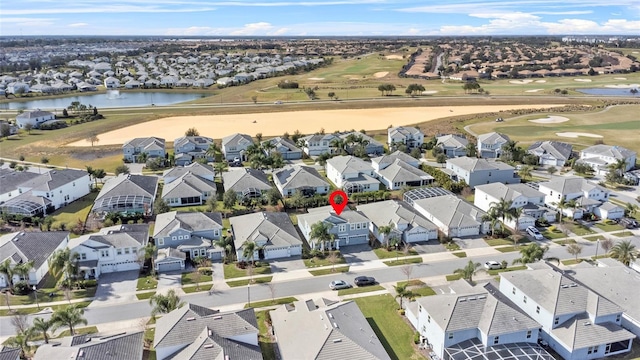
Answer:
(607, 92)
(112, 99)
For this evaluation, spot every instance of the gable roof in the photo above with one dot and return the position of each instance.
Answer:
(190, 221)
(386, 160)
(188, 185)
(36, 246)
(128, 184)
(348, 163)
(571, 185)
(280, 142)
(148, 143)
(327, 214)
(580, 332)
(404, 131)
(559, 150)
(475, 164)
(321, 330)
(275, 226)
(121, 346)
(294, 177)
(7, 353)
(493, 138)
(452, 140)
(236, 139)
(451, 211)
(11, 179)
(33, 114)
(614, 151)
(198, 141)
(53, 179)
(400, 171)
(508, 192)
(245, 178)
(383, 213)
(210, 345)
(195, 168)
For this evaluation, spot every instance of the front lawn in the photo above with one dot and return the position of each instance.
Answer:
(594, 238)
(609, 227)
(265, 303)
(145, 295)
(505, 241)
(623, 234)
(395, 334)
(148, 282)
(571, 261)
(565, 242)
(337, 269)
(553, 234)
(405, 261)
(80, 331)
(192, 288)
(317, 261)
(505, 249)
(256, 280)
(382, 253)
(454, 277)
(360, 290)
(460, 254)
(579, 229)
(417, 287)
(451, 246)
(514, 268)
(232, 271)
(34, 309)
(189, 278)
(47, 295)
(267, 345)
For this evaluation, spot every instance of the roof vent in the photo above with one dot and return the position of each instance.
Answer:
(472, 298)
(482, 297)
(218, 317)
(210, 332)
(81, 353)
(462, 299)
(337, 340)
(564, 286)
(573, 285)
(586, 323)
(330, 315)
(208, 346)
(191, 319)
(335, 325)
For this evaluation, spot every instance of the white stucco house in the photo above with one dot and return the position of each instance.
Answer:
(490, 145)
(410, 136)
(551, 153)
(34, 118)
(586, 195)
(453, 216)
(609, 210)
(599, 157)
(352, 174)
(481, 171)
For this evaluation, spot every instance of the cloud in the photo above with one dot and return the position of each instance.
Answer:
(78, 25)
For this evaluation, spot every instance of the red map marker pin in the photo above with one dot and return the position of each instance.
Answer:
(338, 207)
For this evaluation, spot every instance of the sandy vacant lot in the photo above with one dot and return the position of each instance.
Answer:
(275, 124)
(550, 120)
(577, 134)
(381, 74)
(394, 57)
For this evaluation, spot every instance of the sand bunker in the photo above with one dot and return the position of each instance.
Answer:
(429, 92)
(620, 78)
(582, 80)
(550, 120)
(393, 57)
(520, 82)
(577, 134)
(381, 74)
(316, 78)
(533, 90)
(541, 81)
(623, 86)
(307, 122)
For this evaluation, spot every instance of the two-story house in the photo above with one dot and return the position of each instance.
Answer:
(319, 144)
(348, 228)
(381, 162)
(112, 249)
(124, 345)
(599, 157)
(284, 147)
(353, 139)
(22, 247)
(193, 233)
(153, 147)
(34, 118)
(453, 145)
(410, 136)
(586, 195)
(481, 171)
(408, 225)
(551, 153)
(188, 149)
(576, 322)
(303, 179)
(235, 145)
(352, 174)
(490, 144)
(272, 232)
(521, 196)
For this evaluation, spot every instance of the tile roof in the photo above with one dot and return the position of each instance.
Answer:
(121, 346)
(239, 180)
(31, 246)
(294, 177)
(275, 226)
(189, 221)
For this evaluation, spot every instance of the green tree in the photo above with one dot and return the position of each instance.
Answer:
(249, 250)
(122, 169)
(525, 172)
(493, 218)
(574, 249)
(42, 326)
(273, 196)
(403, 293)
(331, 95)
(630, 209)
(624, 251)
(160, 207)
(21, 341)
(229, 199)
(531, 253)
(68, 316)
(164, 304)
(502, 208)
(23, 269)
(149, 252)
(28, 127)
(212, 151)
(99, 174)
(64, 262)
(385, 230)
(211, 203)
(468, 271)
(6, 269)
(192, 132)
(226, 242)
(5, 130)
(321, 234)
(221, 167)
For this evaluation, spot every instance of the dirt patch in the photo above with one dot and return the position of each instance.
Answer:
(277, 123)
(93, 155)
(393, 57)
(381, 74)
(550, 120)
(578, 134)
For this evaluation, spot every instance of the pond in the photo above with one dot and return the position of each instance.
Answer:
(111, 99)
(608, 91)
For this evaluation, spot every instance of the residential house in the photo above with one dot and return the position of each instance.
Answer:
(129, 345)
(481, 171)
(490, 144)
(325, 329)
(551, 153)
(411, 137)
(169, 259)
(247, 183)
(152, 146)
(408, 225)
(319, 144)
(400, 174)
(10, 180)
(599, 157)
(352, 174)
(187, 190)
(452, 215)
(235, 145)
(13, 129)
(111, 83)
(197, 332)
(34, 118)
(381, 162)
(193, 233)
(284, 147)
(304, 179)
(586, 195)
(348, 228)
(453, 145)
(273, 233)
(9, 353)
(42, 194)
(576, 322)
(200, 170)
(482, 321)
(127, 193)
(353, 139)
(609, 210)
(21, 247)
(187, 149)
(112, 249)
(521, 196)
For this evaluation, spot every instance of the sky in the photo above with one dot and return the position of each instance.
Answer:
(319, 17)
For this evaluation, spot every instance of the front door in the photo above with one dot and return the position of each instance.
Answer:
(261, 254)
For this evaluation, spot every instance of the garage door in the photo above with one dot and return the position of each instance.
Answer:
(357, 240)
(276, 253)
(172, 266)
(472, 231)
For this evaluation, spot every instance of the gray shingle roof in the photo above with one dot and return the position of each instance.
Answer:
(385, 160)
(454, 141)
(400, 171)
(146, 143)
(326, 214)
(189, 221)
(349, 164)
(188, 185)
(493, 138)
(294, 177)
(474, 164)
(36, 246)
(242, 179)
(169, 253)
(196, 168)
(451, 211)
(281, 142)
(580, 332)
(199, 141)
(209, 345)
(615, 151)
(559, 150)
(383, 213)
(235, 139)
(54, 179)
(10, 179)
(121, 346)
(404, 130)
(127, 184)
(509, 192)
(7, 353)
(33, 114)
(570, 185)
(275, 226)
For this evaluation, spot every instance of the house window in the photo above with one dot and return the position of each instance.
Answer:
(83, 256)
(203, 252)
(429, 318)
(450, 336)
(104, 253)
(528, 334)
(186, 237)
(180, 237)
(119, 251)
(342, 228)
(174, 238)
(524, 299)
(127, 251)
(618, 318)
(160, 241)
(352, 226)
(496, 340)
(537, 309)
(592, 350)
(556, 321)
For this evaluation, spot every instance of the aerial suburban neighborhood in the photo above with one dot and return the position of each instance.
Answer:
(485, 210)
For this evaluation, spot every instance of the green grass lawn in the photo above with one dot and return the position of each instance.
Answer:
(145, 295)
(451, 246)
(44, 298)
(256, 280)
(189, 278)
(77, 210)
(556, 234)
(417, 287)
(382, 253)
(360, 290)
(148, 282)
(267, 345)
(394, 333)
(317, 262)
(565, 242)
(594, 237)
(192, 288)
(337, 269)
(498, 242)
(453, 277)
(405, 261)
(232, 271)
(609, 227)
(571, 261)
(34, 309)
(514, 268)
(579, 229)
(460, 254)
(623, 234)
(80, 331)
(276, 301)
(506, 249)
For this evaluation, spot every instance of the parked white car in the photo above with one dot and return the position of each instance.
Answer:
(492, 265)
(534, 233)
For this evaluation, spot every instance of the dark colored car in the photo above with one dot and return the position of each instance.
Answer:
(364, 281)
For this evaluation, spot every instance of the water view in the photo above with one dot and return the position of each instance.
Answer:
(112, 99)
(608, 92)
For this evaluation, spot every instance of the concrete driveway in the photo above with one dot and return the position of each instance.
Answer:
(428, 247)
(167, 281)
(358, 253)
(118, 287)
(287, 264)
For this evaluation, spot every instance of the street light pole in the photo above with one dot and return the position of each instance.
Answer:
(35, 293)
(597, 246)
(249, 294)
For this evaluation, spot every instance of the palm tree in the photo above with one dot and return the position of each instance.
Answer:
(531, 253)
(525, 172)
(248, 250)
(502, 209)
(619, 166)
(7, 270)
(64, 262)
(221, 167)
(385, 230)
(212, 150)
(164, 304)
(630, 209)
(492, 217)
(516, 213)
(468, 271)
(267, 147)
(321, 233)
(149, 253)
(561, 205)
(42, 326)
(402, 292)
(22, 270)
(21, 341)
(69, 316)
(227, 244)
(624, 251)
(142, 158)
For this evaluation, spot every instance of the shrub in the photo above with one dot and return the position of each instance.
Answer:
(87, 283)
(552, 228)
(401, 312)
(205, 270)
(416, 337)
(21, 288)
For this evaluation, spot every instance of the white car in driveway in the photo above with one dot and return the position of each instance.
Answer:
(534, 233)
(492, 265)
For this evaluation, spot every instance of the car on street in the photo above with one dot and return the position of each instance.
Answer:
(364, 281)
(534, 233)
(492, 265)
(628, 223)
(339, 284)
